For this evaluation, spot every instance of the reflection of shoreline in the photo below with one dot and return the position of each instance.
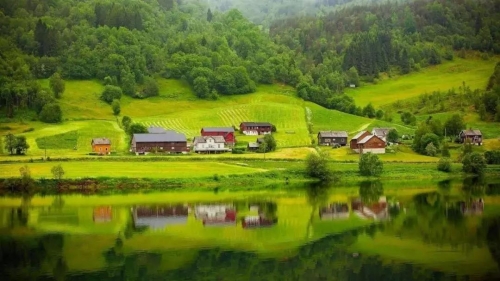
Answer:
(157, 217)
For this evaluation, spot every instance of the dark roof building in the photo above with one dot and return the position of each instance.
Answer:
(472, 135)
(169, 141)
(332, 137)
(218, 129)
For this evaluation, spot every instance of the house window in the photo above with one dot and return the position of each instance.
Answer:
(172, 148)
(328, 140)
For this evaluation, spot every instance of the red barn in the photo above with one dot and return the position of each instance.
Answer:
(365, 142)
(226, 132)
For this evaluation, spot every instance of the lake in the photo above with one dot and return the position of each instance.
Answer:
(375, 231)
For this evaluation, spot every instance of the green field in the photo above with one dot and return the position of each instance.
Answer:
(450, 74)
(129, 169)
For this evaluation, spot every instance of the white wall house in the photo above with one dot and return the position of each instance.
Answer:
(207, 144)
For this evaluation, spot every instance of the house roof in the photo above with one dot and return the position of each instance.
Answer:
(253, 145)
(101, 141)
(156, 130)
(333, 134)
(203, 139)
(358, 135)
(471, 132)
(381, 131)
(260, 140)
(365, 139)
(218, 129)
(168, 136)
(257, 124)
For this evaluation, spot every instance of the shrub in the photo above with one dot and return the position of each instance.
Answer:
(116, 107)
(370, 165)
(111, 93)
(430, 149)
(317, 166)
(150, 88)
(269, 144)
(392, 136)
(444, 165)
(492, 157)
(51, 113)
(57, 172)
(126, 121)
(474, 163)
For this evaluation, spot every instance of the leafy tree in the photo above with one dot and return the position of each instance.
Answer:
(408, 118)
(111, 93)
(429, 138)
(151, 88)
(430, 149)
(444, 164)
(57, 85)
(393, 136)
(136, 128)
(369, 111)
(127, 83)
(10, 143)
(209, 15)
(352, 76)
(22, 145)
(474, 163)
(454, 125)
(269, 143)
(126, 121)
(317, 166)
(57, 172)
(51, 113)
(379, 114)
(116, 107)
(370, 165)
(201, 87)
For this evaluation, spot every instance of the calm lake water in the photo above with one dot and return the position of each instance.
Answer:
(435, 231)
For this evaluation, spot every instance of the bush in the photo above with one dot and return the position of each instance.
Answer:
(269, 144)
(444, 165)
(370, 165)
(237, 151)
(126, 121)
(317, 166)
(51, 113)
(116, 107)
(474, 163)
(492, 157)
(150, 88)
(111, 93)
(430, 149)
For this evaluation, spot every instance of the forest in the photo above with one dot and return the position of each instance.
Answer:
(127, 43)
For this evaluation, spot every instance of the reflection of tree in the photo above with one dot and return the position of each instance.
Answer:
(370, 191)
(473, 187)
(114, 256)
(491, 227)
(317, 195)
(58, 202)
(19, 216)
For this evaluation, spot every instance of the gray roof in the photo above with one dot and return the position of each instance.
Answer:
(358, 135)
(381, 131)
(156, 130)
(256, 124)
(333, 134)
(218, 129)
(169, 136)
(471, 132)
(101, 141)
(253, 145)
(203, 139)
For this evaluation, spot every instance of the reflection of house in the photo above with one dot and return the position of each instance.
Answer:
(258, 221)
(216, 214)
(159, 216)
(377, 210)
(365, 142)
(103, 214)
(208, 144)
(474, 136)
(475, 207)
(334, 211)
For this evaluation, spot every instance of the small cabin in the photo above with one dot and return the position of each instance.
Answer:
(101, 146)
(365, 142)
(332, 137)
(474, 136)
(256, 128)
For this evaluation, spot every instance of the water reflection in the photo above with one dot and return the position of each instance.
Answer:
(370, 233)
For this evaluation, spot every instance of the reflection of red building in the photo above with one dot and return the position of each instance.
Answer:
(376, 210)
(103, 214)
(257, 221)
(216, 214)
(334, 211)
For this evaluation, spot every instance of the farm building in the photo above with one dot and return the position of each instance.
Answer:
(474, 136)
(381, 132)
(209, 144)
(254, 146)
(365, 142)
(332, 137)
(256, 128)
(226, 132)
(170, 142)
(159, 216)
(101, 145)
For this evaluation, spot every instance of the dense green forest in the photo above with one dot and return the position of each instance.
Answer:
(127, 43)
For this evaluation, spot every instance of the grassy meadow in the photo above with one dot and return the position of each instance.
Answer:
(450, 74)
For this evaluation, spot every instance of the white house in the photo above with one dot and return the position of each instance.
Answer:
(209, 144)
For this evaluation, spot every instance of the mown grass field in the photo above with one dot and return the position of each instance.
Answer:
(449, 74)
(129, 169)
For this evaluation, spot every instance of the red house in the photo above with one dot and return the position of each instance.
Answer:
(226, 132)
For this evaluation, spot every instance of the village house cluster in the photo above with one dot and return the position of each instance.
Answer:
(223, 139)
